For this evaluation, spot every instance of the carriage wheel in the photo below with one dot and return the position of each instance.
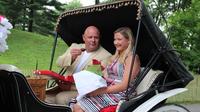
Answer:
(171, 108)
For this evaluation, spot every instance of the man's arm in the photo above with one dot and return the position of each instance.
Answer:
(69, 56)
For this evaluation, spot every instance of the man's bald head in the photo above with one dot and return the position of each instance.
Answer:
(91, 37)
(91, 28)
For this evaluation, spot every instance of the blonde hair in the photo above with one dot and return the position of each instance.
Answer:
(127, 33)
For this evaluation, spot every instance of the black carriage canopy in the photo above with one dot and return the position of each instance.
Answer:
(108, 17)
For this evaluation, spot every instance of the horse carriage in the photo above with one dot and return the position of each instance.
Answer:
(163, 74)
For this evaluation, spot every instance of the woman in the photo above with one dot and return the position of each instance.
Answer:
(116, 74)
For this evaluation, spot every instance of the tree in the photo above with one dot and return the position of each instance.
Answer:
(184, 28)
(31, 15)
(107, 1)
(162, 9)
(72, 5)
(96, 1)
(42, 15)
(12, 10)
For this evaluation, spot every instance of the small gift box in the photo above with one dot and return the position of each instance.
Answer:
(95, 67)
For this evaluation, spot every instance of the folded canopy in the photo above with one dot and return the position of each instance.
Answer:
(108, 17)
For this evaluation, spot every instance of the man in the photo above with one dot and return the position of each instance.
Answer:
(79, 56)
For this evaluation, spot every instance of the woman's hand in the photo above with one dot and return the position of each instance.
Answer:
(97, 92)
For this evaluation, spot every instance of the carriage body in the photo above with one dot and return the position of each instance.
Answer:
(151, 40)
(152, 46)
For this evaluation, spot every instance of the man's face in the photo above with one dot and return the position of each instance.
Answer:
(91, 38)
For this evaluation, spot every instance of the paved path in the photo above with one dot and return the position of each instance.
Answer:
(192, 107)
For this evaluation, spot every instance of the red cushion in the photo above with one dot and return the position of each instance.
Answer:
(111, 108)
(53, 74)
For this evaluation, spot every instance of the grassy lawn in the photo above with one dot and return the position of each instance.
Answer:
(190, 96)
(26, 48)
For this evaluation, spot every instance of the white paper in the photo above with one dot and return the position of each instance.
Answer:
(87, 82)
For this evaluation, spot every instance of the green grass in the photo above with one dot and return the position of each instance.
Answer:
(26, 48)
(190, 96)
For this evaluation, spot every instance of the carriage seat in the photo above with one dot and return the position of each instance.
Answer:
(148, 80)
(143, 87)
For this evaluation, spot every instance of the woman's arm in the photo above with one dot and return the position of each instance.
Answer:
(124, 83)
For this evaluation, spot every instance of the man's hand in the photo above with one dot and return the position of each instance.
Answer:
(76, 52)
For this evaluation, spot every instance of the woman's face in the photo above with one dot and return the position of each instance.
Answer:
(120, 42)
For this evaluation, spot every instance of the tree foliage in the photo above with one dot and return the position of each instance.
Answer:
(32, 15)
(35, 15)
(12, 10)
(72, 5)
(184, 30)
(180, 20)
(162, 9)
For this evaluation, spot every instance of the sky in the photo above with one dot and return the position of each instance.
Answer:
(83, 2)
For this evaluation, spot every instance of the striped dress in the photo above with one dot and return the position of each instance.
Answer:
(94, 104)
